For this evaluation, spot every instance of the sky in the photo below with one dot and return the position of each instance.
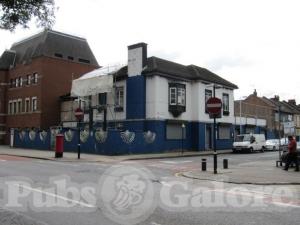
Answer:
(254, 44)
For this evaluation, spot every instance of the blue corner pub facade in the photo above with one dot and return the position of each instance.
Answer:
(155, 106)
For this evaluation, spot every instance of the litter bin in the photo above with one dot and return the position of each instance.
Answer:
(59, 146)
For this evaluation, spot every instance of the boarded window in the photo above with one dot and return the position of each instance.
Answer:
(224, 132)
(175, 131)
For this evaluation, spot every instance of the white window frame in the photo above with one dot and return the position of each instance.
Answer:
(28, 79)
(120, 98)
(181, 96)
(21, 81)
(35, 78)
(19, 106)
(33, 106)
(173, 99)
(14, 108)
(27, 109)
(225, 103)
(17, 81)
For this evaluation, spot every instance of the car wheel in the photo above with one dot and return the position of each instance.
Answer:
(262, 149)
(251, 150)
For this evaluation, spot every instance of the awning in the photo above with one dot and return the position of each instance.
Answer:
(92, 83)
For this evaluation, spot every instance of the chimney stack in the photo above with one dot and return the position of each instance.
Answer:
(276, 98)
(137, 59)
(292, 101)
(255, 93)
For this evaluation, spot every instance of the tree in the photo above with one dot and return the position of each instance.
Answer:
(20, 12)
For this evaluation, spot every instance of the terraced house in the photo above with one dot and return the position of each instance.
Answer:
(34, 73)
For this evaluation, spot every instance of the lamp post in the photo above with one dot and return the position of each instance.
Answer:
(182, 136)
(279, 152)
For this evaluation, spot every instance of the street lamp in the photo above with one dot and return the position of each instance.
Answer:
(182, 136)
(240, 100)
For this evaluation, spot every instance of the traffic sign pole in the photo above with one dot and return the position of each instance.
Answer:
(79, 115)
(214, 107)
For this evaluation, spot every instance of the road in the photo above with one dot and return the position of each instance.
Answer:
(34, 192)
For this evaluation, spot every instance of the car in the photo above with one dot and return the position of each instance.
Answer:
(272, 145)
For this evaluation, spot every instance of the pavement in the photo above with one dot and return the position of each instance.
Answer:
(256, 173)
(73, 157)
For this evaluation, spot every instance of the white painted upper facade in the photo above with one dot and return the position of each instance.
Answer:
(157, 100)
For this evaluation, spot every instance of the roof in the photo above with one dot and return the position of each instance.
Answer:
(165, 68)
(7, 59)
(284, 108)
(54, 44)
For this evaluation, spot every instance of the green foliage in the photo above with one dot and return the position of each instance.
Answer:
(20, 12)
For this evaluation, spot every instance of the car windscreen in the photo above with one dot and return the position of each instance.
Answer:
(241, 138)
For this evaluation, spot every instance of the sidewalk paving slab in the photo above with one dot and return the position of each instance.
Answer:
(72, 156)
(257, 173)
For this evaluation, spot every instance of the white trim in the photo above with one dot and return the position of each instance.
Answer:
(26, 110)
(32, 105)
(171, 89)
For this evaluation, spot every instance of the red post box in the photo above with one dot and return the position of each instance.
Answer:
(59, 146)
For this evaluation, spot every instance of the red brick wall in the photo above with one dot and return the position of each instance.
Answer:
(55, 77)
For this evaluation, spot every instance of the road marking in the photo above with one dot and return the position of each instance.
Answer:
(58, 196)
(176, 162)
(2, 160)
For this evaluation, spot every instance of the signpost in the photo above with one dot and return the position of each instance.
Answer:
(214, 108)
(79, 114)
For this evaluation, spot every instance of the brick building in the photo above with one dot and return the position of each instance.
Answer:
(34, 73)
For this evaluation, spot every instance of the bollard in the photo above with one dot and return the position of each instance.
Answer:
(225, 163)
(203, 164)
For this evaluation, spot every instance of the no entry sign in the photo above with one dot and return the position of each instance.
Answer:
(214, 106)
(79, 114)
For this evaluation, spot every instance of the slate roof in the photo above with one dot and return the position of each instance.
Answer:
(7, 59)
(165, 68)
(49, 42)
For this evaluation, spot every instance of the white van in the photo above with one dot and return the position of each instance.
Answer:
(249, 142)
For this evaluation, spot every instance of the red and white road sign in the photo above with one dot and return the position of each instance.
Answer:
(214, 106)
(79, 114)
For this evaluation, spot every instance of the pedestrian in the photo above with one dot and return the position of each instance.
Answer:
(292, 154)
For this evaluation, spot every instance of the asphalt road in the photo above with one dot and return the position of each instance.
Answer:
(34, 192)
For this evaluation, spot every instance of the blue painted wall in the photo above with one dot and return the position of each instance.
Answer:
(136, 97)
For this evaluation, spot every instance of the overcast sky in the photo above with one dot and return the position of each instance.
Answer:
(252, 43)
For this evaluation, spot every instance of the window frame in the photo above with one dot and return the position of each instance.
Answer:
(34, 106)
(119, 101)
(19, 105)
(35, 78)
(225, 104)
(27, 109)
(206, 97)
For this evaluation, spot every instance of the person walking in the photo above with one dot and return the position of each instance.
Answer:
(292, 154)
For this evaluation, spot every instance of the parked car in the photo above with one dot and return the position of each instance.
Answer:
(272, 145)
(249, 143)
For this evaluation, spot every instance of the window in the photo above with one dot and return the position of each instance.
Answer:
(173, 96)
(174, 131)
(19, 105)
(12, 83)
(14, 110)
(21, 81)
(225, 104)
(177, 98)
(17, 82)
(34, 104)
(119, 99)
(35, 78)
(28, 79)
(102, 98)
(224, 132)
(27, 104)
(58, 55)
(181, 96)
(10, 107)
(84, 60)
(208, 95)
